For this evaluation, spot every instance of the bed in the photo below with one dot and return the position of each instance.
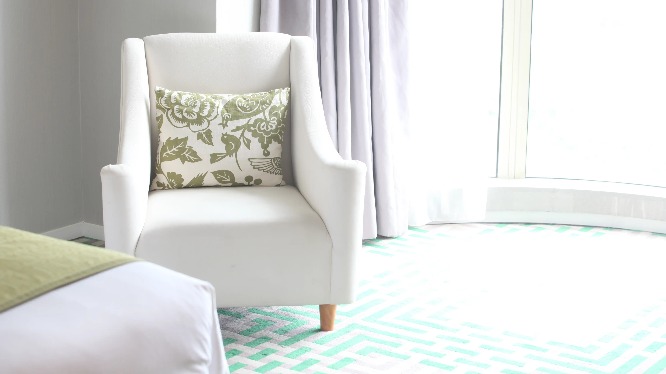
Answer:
(133, 318)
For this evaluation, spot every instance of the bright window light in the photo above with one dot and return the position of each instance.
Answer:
(597, 108)
(455, 73)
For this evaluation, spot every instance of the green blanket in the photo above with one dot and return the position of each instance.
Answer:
(32, 264)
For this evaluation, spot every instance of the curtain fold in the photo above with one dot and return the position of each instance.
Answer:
(362, 50)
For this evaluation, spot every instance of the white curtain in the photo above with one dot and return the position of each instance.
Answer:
(362, 51)
(454, 103)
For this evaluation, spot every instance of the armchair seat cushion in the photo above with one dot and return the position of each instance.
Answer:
(269, 237)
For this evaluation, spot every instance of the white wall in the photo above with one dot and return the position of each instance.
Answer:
(59, 99)
(40, 139)
(60, 92)
(238, 15)
(103, 24)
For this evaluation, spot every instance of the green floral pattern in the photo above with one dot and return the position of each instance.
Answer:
(186, 109)
(219, 139)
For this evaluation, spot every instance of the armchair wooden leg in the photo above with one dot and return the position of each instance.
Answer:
(327, 316)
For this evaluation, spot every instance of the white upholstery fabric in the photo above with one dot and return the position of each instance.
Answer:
(135, 318)
(334, 187)
(125, 199)
(269, 237)
(124, 192)
(257, 246)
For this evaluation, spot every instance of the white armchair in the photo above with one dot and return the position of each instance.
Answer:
(259, 246)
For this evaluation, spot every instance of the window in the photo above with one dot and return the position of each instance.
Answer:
(581, 94)
(597, 100)
(583, 88)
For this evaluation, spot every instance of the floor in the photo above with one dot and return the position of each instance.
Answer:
(478, 298)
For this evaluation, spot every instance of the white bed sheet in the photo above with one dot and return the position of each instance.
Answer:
(135, 318)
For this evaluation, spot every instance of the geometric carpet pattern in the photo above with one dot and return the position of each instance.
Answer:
(477, 298)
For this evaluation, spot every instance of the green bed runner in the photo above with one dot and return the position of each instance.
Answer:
(32, 264)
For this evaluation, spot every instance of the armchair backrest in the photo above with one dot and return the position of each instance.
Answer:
(219, 63)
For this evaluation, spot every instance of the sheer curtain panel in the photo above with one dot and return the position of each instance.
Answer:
(362, 52)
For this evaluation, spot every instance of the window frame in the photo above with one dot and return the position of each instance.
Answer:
(513, 197)
(514, 89)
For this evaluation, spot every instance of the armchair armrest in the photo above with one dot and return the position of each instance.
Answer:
(125, 186)
(125, 201)
(334, 187)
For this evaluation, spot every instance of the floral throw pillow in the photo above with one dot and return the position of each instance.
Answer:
(219, 139)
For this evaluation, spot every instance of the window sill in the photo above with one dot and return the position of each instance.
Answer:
(579, 185)
(575, 202)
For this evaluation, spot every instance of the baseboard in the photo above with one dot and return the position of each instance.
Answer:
(93, 231)
(77, 230)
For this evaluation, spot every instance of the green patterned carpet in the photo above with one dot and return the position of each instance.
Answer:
(478, 298)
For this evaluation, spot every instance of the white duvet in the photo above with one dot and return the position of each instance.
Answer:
(135, 318)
